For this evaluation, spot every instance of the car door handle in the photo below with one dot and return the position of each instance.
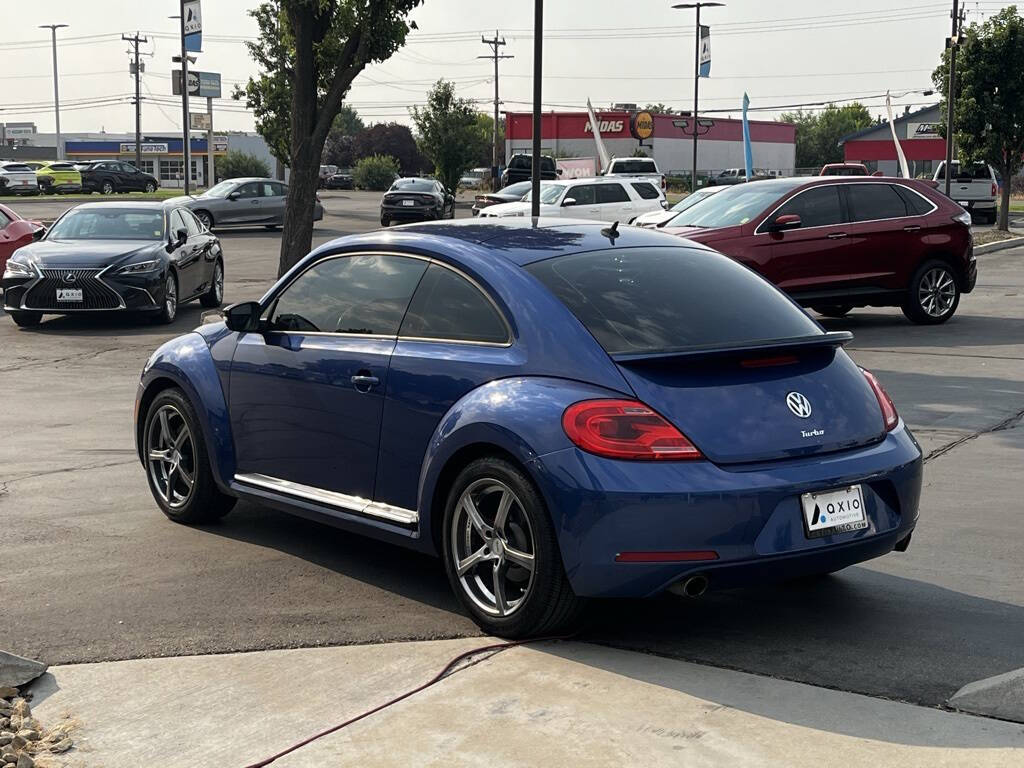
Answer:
(836, 236)
(912, 228)
(364, 383)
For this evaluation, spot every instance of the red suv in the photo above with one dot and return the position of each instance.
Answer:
(836, 243)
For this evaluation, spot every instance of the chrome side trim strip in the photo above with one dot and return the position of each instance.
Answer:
(331, 498)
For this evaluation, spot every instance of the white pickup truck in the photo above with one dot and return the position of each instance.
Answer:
(973, 187)
(636, 166)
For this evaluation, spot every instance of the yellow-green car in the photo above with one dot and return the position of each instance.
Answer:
(58, 177)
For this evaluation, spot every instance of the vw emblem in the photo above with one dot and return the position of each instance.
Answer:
(69, 277)
(798, 404)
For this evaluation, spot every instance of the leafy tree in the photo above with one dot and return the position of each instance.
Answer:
(236, 164)
(347, 122)
(339, 146)
(392, 139)
(485, 124)
(988, 106)
(449, 134)
(818, 133)
(309, 52)
(376, 172)
(659, 109)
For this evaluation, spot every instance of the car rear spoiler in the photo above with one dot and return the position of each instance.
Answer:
(830, 339)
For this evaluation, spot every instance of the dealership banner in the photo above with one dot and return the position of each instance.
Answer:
(193, 25)
(748, 154)
(705, 50)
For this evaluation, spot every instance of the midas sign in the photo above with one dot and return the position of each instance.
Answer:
(605, 126)
(642, 125)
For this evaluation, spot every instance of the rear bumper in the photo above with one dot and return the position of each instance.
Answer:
(750, 516)
(408, 213)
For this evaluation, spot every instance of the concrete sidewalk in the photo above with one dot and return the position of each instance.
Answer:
(550, 704)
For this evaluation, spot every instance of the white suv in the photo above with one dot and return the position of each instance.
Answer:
(621, 198)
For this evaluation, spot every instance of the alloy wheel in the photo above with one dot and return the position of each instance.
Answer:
(149, 187)
(108, 188)
(936, 293)
(204, 219)
(493, 547)
(218, 282)
(171, 297)
(171, 457)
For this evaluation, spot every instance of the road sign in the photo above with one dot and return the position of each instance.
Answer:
(220, 143)
(199, 121)
(203, 84)
(193, 25)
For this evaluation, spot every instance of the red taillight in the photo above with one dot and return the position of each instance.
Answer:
(684, 556)
(625, 429)
(889, 415)
(995, 191)
(769, 362)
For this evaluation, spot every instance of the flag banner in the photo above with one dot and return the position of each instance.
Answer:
(899, 149)
(705, 50)
(748, 154)
(193, 26)
(595, 124)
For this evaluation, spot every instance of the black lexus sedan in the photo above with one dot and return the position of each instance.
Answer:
(414, 199)
(103, 257)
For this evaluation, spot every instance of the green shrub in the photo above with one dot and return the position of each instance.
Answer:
(376, 172)
(235, 165)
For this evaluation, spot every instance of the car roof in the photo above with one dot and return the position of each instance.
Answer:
(129, 206)
(520, 240)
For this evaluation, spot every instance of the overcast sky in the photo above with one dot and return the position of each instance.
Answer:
(784, 52)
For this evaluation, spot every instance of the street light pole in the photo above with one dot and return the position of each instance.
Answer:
(538, 49)
(186, 148)
(696, 79)
(56, 91)
(950, 94)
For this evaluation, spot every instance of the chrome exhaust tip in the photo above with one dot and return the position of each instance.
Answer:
(692, 587)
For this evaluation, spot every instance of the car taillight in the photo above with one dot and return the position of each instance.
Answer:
(625, 429)
(889, 415)
(994, 189)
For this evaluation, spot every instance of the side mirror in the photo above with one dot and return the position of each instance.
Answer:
(558, 171)
(180, 238)
(569, 201)
(243, 317)
(784, 222)
(233, 196)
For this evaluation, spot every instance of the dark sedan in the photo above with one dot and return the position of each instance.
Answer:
(101, 257)
(339, 181)
(511, 194)
(416, 199)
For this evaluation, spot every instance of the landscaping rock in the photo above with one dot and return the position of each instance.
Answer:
(24, 761)
(8, 692)
(15, 671)
(62, 746)
(6, 737)
(29, 734)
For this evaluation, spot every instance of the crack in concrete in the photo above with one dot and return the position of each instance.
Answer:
(932, 354)
(64, 470)
(55, 361)
(1008, 423)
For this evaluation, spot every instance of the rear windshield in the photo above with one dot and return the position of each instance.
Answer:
(16, 167)
(975, 172)
(412, 185)
(634, 166)
(649, 300)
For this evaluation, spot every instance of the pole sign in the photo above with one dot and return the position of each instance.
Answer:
(705, 50)
(199, 121)
(641, 125)
(220, 143)
(193, 25)
(202, 84)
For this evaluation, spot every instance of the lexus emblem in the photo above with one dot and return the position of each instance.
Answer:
(798, 404)
(69, 277)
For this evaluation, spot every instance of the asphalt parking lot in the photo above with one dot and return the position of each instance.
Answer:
(92, 571)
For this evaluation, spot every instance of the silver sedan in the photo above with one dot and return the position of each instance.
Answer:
(244, 202)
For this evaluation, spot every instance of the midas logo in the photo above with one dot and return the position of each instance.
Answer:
(605, 126)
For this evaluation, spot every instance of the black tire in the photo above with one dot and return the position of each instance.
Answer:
(933, 294)
(204, 218)
(385, 222)
(214, 297)
(169, 301)
(546, 605)
(107, 188)
(24, 319)
(202, 502)
(150, 188)
(833, 310)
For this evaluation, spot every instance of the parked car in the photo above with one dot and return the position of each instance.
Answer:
(326, 172)
(416, 199)
(111, 176)
(14, 233)
(17, 179)
(509, 194)
(475, 178)
(520, 168)
(728, 177)
(838, 243)
(664, 218)
(340, 181)
(636, 166)
(145, 257)
(58, 177)
(973, 187)
(604, 198)
(398, 385)
(247, 201)
(844, 169)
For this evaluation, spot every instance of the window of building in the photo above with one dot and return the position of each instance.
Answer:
(171, 170)
(447, 306)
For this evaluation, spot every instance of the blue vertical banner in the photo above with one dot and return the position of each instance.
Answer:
(705, 50)
(193, 25)
(748, 153)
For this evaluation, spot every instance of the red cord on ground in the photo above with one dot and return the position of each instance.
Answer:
(437, 678)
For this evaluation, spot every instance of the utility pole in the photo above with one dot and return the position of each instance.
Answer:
(138, 96)
(952, 44)
(56, 91)
(696, 80)
(495, 44)
(538, 69)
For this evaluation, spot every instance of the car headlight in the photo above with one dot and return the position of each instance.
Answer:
(19, 269)
(139, 266)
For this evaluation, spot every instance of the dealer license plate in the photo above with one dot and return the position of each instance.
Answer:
(69, 294)
(961, 203)
(408, 202)
(830, 512)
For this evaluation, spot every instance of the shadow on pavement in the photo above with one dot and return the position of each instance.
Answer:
(891, 330)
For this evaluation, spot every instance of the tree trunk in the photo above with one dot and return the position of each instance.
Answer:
(297, 238)
(1004, 199)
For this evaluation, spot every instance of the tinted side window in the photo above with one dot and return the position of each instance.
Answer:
(816, 207)
(252, 189)
(352, 294)
(267, 189)
(874, 201)
(611, 193)
(447, 306)
(177, 222)
(646, 191)
(191, 222)
(584, 194)
(4, 220)
(916, 205)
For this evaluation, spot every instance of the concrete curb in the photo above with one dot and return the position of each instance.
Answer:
(1000, 245)
(1001, 696)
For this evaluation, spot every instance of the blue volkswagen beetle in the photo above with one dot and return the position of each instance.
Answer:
(559, 409)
